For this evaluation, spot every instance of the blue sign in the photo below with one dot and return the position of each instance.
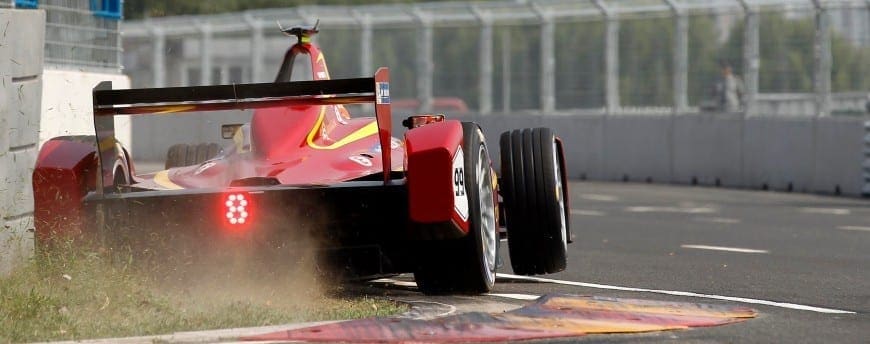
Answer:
(26, 3)
(109, 9)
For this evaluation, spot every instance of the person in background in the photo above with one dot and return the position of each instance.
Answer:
(728, 90)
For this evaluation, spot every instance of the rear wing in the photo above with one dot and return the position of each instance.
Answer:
(154, 101)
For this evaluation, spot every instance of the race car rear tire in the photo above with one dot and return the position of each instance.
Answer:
(467, 265)
(188, 155)
(534, 201)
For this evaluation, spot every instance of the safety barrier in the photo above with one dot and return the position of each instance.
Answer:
(21, 56)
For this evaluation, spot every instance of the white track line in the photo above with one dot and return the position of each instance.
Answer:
(855, 228)
(686, 210)
(826, 211)
(725, 220)
(723, 248)
(585, 212)
(599, 197)
(524, 297)
(680, 293)
(450, 308)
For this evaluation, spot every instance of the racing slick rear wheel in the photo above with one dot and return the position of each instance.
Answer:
(534, 201)
(188, 155)
(467, 265)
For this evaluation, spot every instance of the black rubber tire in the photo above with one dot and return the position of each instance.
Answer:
(188, 155)
(458, 266)
(536, 215)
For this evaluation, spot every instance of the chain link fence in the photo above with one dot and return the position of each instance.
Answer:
(79, 34)
(760, 57)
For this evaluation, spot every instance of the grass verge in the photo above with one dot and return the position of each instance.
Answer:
(76, 294)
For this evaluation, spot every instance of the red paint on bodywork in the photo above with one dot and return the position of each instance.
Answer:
(384, 117)
(302, 145)
(65, 171)
(430, 150)
(555, 316)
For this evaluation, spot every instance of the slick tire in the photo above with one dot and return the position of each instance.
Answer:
(188, 155)
(467, 265)
(534, 201)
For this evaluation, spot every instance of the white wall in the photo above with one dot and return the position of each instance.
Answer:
(21, 56)
(67, 104)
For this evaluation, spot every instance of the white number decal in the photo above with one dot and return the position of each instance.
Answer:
(361, 160)
(460, 199)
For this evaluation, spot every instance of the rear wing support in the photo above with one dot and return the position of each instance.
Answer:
(109, 103)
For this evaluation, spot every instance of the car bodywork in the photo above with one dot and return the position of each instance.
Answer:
(302, 167)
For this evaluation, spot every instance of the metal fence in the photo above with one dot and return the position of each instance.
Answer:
(79, 36)
(788, 57)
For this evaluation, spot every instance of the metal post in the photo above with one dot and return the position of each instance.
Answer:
(119, 54)
(822, 65)
(484, 82)
(865, 166)
(205, 55)
(681, 58)
(506, 72)
(611, 58)
(548, 62)
(158, 63)
(751, 61)
(256, 49)
(366, 61)
(425, 67)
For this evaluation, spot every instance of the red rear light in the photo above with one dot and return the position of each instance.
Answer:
(237, 208)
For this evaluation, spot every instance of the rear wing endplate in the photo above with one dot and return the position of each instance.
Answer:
(171, 100)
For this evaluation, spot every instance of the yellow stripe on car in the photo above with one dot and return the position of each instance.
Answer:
(162, 179)
(366, 131)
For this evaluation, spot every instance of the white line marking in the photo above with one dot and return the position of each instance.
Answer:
(524, 297)
(855, 228)
(599, 197)
(450, 309)
(502, 240)
(826, 211)
(687, 210)
(585, 212)
(725, 220)
(395, 282)
(723, 248)
(680, 293)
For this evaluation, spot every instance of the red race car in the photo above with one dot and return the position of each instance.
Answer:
(429, 202)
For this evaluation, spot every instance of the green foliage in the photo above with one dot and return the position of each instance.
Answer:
(646, 62)
(74, 294)
(580, 64)
(137, 9)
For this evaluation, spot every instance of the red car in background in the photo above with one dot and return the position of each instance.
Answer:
(427, 201)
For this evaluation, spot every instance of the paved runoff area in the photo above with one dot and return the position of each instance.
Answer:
(802, 262)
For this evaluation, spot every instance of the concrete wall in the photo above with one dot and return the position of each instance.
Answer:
(801, 154)
(821, 155)
(67, 106)
(21, 57)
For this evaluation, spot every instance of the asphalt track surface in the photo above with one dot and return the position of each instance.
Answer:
(802, 261)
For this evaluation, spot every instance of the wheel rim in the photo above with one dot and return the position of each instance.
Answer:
(560, 197)
(487, 214)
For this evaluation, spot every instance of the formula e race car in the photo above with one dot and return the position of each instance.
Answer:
(429, 202)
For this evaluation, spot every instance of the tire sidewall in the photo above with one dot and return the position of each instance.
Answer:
(472, 142)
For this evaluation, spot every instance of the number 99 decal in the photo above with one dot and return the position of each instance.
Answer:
(458, 181)
(460, 199)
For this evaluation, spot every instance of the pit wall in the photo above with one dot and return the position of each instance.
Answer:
(814, 155)
(21, 61)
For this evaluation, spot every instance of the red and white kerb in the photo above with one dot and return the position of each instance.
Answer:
(236, 209)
